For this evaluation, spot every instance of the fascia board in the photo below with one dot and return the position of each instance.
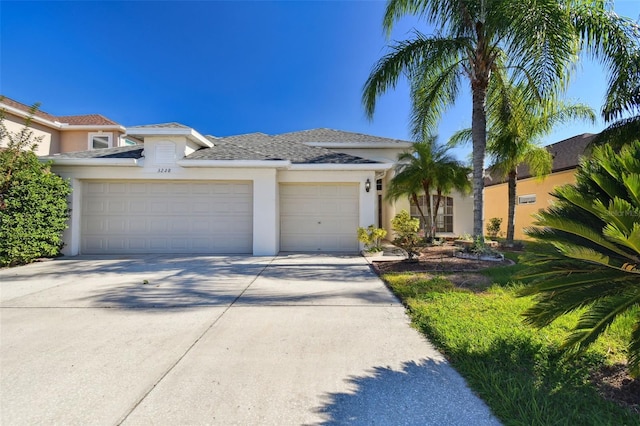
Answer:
(71, 127)
(19, 112)
(91, 161)
(189, 133)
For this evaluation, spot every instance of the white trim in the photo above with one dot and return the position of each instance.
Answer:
(235, 163)
(58, 125)
(91, 161)
(359, 144)
(91, 135)
(189, 133)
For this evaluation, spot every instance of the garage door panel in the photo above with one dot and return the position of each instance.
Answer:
(165, 217)
(319, 217)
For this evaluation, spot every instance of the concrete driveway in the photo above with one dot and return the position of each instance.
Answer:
(297, 339)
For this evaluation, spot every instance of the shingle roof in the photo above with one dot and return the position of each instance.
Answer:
(87, 120)
(336, 136)
(259, 146)
(134, 151)
(566, 155)
(82, 120)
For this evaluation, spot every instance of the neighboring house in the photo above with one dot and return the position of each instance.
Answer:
(532, 194)
(65, 133)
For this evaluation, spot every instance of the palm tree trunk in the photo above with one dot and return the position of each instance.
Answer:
(435, 212)
(414, 197)
(511, 219)
(427, 198)
(479, 138)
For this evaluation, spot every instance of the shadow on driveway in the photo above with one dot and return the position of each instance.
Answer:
(427, 392)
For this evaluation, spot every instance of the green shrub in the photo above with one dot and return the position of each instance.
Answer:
(370, 237)
(493, 227)
(406, 229)
(33, 204)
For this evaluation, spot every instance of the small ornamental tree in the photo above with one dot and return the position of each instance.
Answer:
(406, 230)
(33, 204)
(493, 227)
(370, 237)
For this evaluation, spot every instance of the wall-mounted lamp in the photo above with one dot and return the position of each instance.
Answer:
(367, 185)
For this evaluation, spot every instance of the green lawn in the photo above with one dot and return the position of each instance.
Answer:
(518, 370)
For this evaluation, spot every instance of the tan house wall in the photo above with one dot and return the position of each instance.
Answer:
(78, 140)
(496, 200)
(50, 143)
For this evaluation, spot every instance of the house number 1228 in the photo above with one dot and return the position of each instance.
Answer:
(164, 170)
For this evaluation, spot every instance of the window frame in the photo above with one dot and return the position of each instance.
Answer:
(108, 135)
(532, 199)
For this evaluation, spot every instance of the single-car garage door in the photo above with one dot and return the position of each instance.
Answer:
(166, 217)
(319, 217)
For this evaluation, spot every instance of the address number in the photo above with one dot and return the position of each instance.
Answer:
(164, 170)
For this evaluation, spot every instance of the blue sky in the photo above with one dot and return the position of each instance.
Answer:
(224, 68)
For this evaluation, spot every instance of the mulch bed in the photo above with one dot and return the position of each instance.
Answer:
(436, 259)
(613, 382)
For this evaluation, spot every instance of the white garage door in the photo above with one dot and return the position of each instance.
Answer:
(166, 217)
(319, 217)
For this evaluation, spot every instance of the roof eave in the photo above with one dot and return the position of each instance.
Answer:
(91, 161)
(64, 126)
(189, 133)
(353, 167)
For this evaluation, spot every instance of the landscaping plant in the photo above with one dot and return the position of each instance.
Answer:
(592, 264)
(33, 203)
(493, 227)
(370, 237)
(406, 230)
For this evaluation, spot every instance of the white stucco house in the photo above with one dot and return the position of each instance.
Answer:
(182, 192)
(168, 189)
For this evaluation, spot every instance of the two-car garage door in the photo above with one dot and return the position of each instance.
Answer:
(166, 217)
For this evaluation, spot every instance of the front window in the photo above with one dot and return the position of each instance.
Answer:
(444, 217)
(100, 140)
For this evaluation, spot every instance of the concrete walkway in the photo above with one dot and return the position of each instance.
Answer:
(297, 339)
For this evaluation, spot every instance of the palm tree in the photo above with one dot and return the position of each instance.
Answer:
(516, 124)
(592, 264)
(623, 97)
(428, 168)
(535, 40)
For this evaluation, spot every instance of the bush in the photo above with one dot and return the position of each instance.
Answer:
(370, 237)
(493, 227)
(406, 229)
(33, 204)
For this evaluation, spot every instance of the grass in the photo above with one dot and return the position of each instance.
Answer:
(519, 371)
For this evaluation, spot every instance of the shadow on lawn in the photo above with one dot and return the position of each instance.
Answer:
(419, 393)
(525, 382)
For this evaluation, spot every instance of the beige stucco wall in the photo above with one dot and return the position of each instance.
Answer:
(496, 200)
(50, 143)
(78, 140)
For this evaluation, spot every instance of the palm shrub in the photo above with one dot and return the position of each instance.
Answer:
(591, 262)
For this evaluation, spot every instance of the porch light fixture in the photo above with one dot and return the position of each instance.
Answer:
(367, 185)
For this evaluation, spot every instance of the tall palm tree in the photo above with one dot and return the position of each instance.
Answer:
(623, 96)
(536, 40)
(426, 169)
(516, 123)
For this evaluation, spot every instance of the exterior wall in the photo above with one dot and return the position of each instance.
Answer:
(78, 140)
(496, 200)
(50, 143)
